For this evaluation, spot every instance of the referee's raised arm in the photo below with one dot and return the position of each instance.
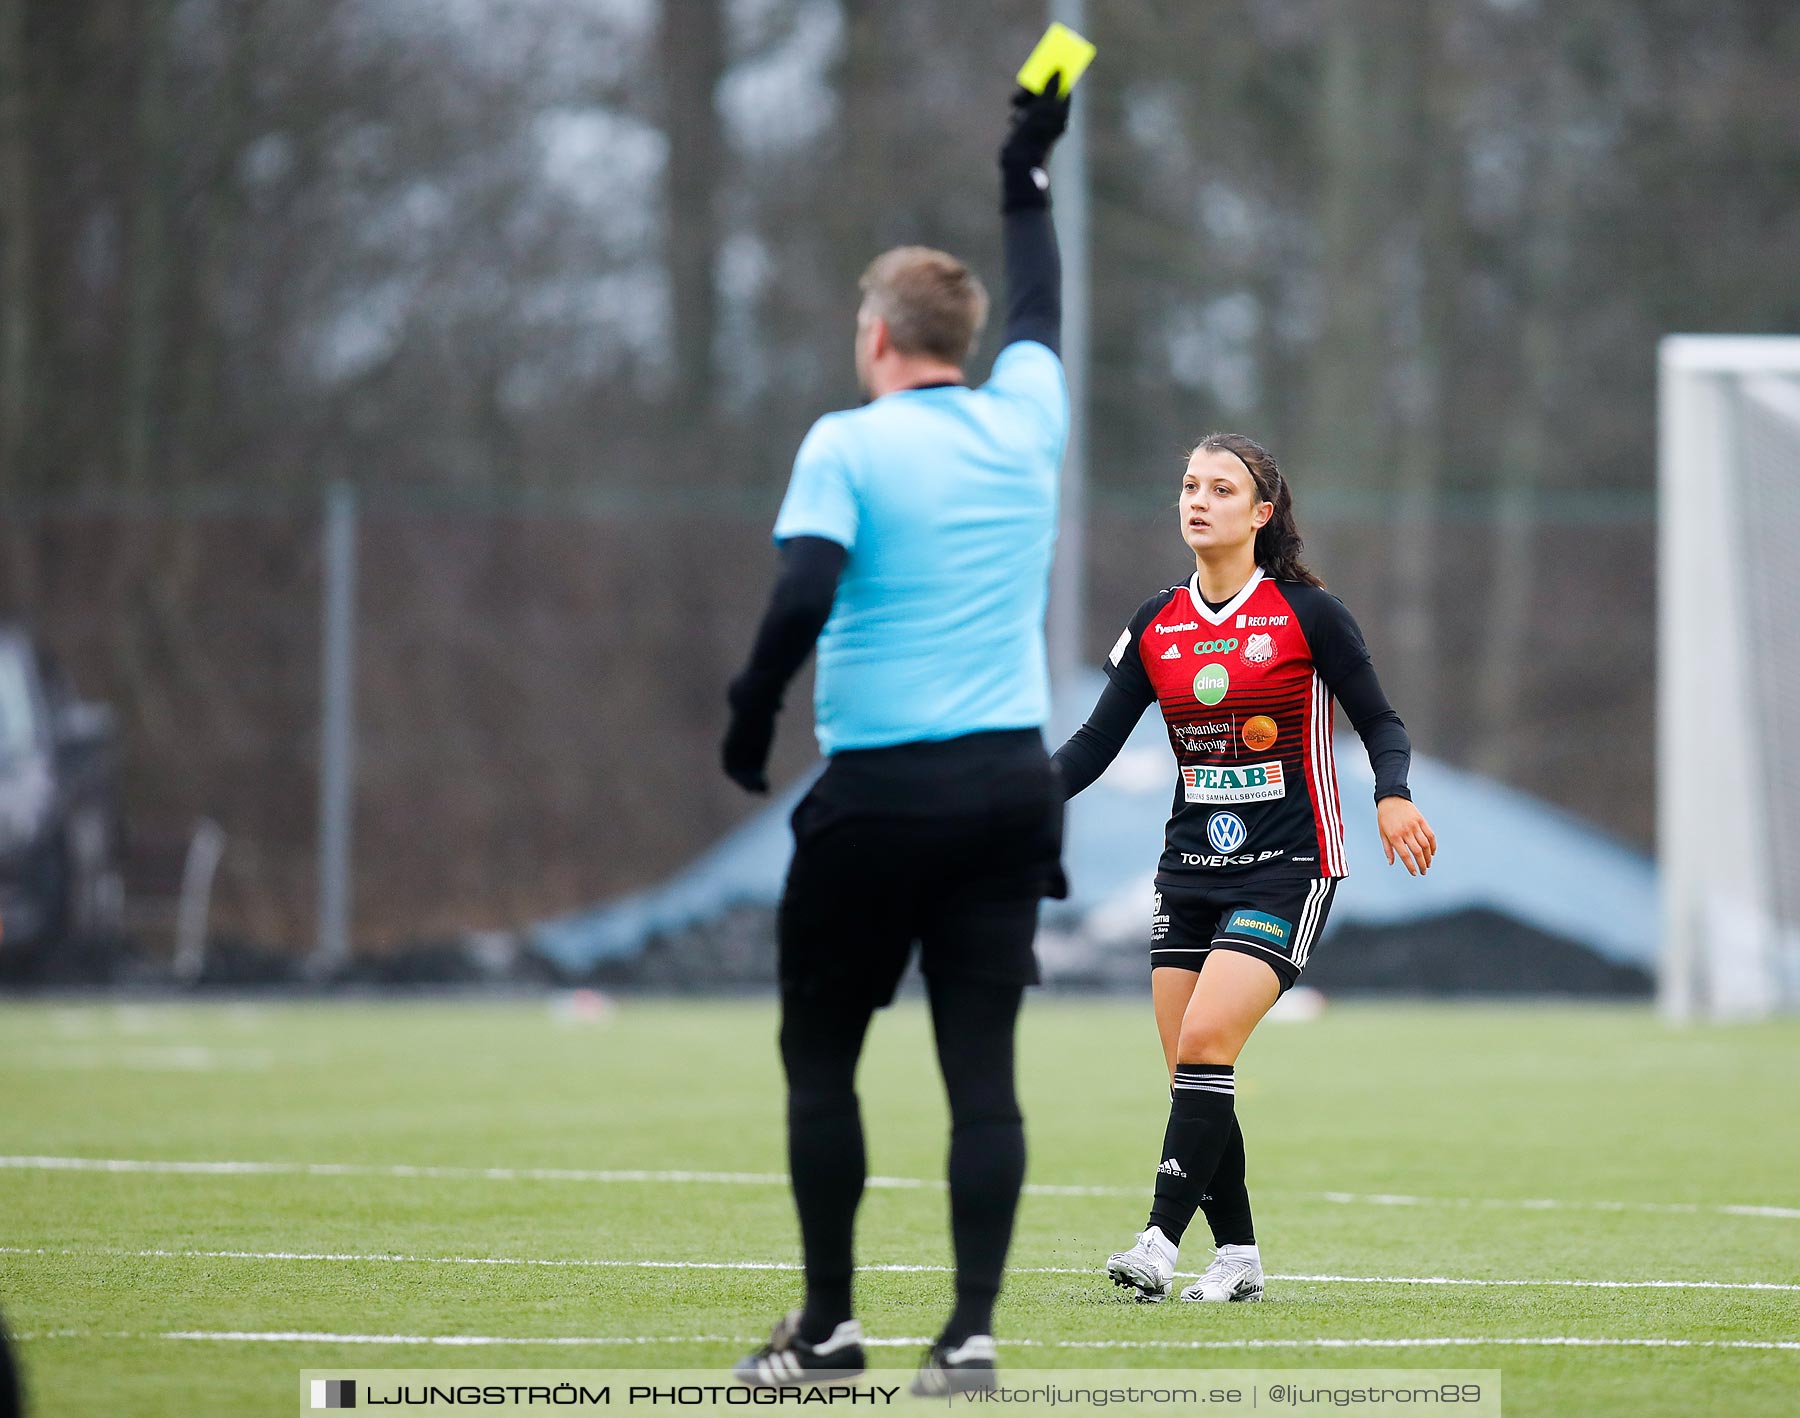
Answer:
(1033, 266)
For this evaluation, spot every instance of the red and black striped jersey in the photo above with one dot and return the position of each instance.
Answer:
(1246, 692)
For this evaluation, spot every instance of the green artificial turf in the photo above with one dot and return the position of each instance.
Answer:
(1386, 1142)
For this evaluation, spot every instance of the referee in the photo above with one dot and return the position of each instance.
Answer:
(915, 543)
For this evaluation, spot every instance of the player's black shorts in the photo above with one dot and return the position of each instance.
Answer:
(866, 884)
(1275, 920)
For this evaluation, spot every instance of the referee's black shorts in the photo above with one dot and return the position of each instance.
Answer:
(947, 845)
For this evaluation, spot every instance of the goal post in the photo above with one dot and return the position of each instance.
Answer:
(1728, 675)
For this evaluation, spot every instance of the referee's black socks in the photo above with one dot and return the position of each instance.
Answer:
(819, 1047)
(1201, 1112)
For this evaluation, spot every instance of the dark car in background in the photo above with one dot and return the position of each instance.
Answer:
(60, 822)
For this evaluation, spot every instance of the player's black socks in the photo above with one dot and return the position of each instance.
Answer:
(1227, 1200)
(1200, 1117)
(820, 1042)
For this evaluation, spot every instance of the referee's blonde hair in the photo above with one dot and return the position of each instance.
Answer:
(933, 304)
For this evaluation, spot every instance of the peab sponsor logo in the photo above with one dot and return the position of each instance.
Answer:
(1211, 683)
(1245, 783)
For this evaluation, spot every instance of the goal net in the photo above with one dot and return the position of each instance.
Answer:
(1728, 675)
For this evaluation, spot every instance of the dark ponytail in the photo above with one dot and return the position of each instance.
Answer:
(1278, 541)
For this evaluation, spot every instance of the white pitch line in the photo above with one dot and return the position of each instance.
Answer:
(592, 1263)
(1461, 1341)
(1662, 1208)
(576, 1174)
(1468, 1341)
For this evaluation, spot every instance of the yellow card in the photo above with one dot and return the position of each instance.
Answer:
(1060, 49)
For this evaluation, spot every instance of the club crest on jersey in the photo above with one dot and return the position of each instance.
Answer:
(1243, 783)
(1226, 832)
(1259, 649)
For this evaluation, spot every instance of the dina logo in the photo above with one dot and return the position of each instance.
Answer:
(334, 1393)
(1211, 683)
(1226, 832)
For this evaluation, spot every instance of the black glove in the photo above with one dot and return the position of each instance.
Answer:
(1038, 120)
(748, 738)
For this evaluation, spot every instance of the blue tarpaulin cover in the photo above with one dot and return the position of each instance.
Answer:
(1499, 850)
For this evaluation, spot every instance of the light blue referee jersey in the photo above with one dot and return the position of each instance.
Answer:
(946, 501)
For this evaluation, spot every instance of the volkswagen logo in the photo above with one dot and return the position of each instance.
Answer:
(1225, 830)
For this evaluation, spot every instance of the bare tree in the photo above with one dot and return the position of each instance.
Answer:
(148, 273)
(691, 45)
(1361, 125)
(1437, 237)
(1527, 436)
(18, 238)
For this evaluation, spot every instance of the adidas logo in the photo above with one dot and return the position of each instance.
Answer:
(1171, 1168)
(1172, 653)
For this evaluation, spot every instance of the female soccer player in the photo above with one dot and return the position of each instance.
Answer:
(1245, 660)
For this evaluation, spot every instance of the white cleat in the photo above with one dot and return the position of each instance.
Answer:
(1148, 1268)
(1236, 1274)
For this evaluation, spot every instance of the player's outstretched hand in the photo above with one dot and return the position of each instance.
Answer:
(1404, 831)
(1038, 120)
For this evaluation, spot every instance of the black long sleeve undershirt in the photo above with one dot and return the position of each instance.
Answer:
(1378, 726)
(1096, 743)
(799, 606)
(1033, 278)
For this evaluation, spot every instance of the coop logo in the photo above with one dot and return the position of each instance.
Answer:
(334, 1393)
(1211, 683)
(1256, 923)
(1259, 649)
(1215, 647)
(1176, 629)
(1246, 783)
(1225, 830)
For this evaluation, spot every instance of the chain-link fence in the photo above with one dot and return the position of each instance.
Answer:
(537, 691)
